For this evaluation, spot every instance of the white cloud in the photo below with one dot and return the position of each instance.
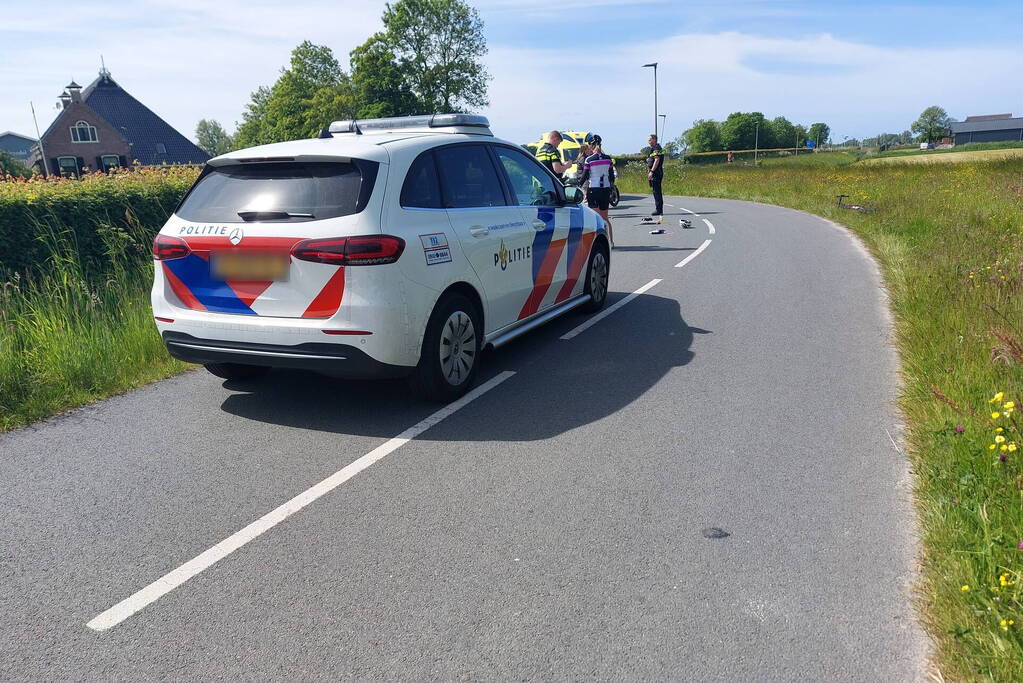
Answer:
(858, 89)
(192, 59)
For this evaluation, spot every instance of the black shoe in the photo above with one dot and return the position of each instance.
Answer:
(656, 213)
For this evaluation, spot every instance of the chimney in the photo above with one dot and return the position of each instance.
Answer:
(65, 100)
(75, 90)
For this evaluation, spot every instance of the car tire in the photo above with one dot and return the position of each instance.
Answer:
(449, 360)
(616, 196)
(598, 272)
(236, 371)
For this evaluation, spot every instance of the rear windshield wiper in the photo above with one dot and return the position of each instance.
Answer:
(271, 215)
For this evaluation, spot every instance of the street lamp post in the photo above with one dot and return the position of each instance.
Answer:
(756, 143)
(654, 65)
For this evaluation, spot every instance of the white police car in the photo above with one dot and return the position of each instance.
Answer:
(385, 247)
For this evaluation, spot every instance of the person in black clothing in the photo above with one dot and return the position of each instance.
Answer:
(655, 162)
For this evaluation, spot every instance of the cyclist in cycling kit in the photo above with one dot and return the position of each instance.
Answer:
(600, 172)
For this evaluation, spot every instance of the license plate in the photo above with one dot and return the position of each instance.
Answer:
(249, 267)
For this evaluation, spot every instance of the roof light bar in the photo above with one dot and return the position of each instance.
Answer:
(358, 126)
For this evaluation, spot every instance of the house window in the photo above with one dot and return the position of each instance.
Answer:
(110, 162)
(161, 148)
(83, 132)
(68, 166)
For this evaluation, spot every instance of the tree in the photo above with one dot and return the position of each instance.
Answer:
(784, 132)
(677, 148)
(212, 138)
(819, 133)
(933, 124)
(704, 136)
(311, 92)
(801, 134)
(377, 81)
(10, 164)
(740, 131)
(438, 47)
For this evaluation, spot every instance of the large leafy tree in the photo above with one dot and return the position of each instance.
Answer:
(436, 48)
(739, 131)
(819, 133)
(380, 88)
(704, 136)
(932, 124)
(212, 138)
(312, 91)
(801, 134)
(784, 132)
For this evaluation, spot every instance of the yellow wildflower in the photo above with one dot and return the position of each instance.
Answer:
(999, 439)
(1009, 405)
(1000, 429)
(1012, 447)
(997, 398)
(991, 447)
(965, 588)
(994, 416)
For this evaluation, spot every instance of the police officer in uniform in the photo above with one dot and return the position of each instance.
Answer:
(549, 156)
(655, 162)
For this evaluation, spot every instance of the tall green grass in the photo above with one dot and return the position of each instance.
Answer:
(75, 318)
(949, 239)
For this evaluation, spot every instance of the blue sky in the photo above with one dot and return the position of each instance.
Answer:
(862, 67)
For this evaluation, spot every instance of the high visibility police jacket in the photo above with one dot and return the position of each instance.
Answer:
(547, 155)
(655, 153)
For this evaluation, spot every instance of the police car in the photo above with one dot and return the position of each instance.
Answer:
(386, 247)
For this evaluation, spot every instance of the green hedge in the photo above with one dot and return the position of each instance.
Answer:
(37, 215)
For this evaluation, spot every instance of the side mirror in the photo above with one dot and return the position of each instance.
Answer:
(573, 195)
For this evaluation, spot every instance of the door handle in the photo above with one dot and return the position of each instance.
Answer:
(539, 225)
(479, 231)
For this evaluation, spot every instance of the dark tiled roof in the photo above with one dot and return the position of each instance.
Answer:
(143, 129)
(997, 124)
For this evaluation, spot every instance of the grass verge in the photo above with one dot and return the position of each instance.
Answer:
(949, 239)
(67, 339)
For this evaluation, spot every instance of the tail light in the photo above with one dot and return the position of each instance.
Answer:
(166, 248)
(373, 250)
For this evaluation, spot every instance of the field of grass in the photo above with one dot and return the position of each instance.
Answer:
(818, 160)
(70, 335)
(948, 156)
(949, 238)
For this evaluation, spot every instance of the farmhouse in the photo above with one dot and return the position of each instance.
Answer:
(103, 127)
(988, 128)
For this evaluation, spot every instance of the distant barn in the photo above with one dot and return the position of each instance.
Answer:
(988, 128)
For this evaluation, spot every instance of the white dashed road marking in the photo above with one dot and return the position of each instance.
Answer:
(696, 253)
(156, 590)
(710, 226)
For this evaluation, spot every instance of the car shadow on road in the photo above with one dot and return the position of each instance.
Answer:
(559, 385)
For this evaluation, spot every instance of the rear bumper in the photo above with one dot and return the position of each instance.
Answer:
(338, 360)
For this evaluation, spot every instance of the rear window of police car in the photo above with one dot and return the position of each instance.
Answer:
(294, 191)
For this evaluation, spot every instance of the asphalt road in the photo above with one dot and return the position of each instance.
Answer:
(559, 526)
